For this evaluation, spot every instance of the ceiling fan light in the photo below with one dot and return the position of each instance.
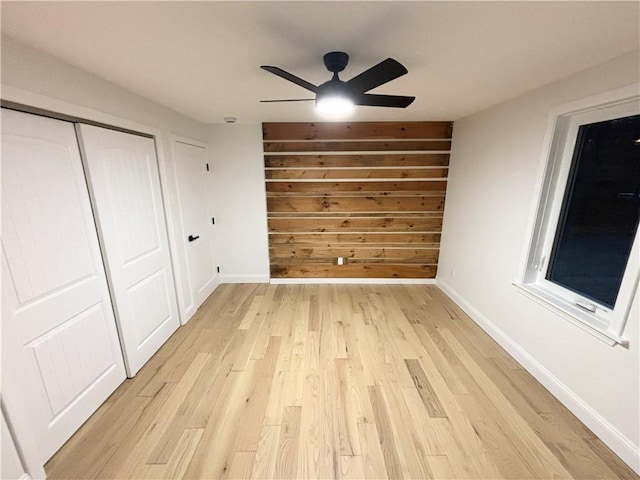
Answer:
(334, 106)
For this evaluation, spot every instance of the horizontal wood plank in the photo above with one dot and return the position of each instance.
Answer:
(431, 240)
(359, 146)
(353, 271)
(349, 130)
(356, 224)
(328, 173)
(413, 255)
(282, 261)
(434, 203)
(359, 160)
(389, 188)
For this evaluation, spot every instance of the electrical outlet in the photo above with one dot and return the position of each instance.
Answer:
(340, 260)
(453, 272)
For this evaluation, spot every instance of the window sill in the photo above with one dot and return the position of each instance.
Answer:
(570, 313)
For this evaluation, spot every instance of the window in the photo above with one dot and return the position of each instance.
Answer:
(584, 258)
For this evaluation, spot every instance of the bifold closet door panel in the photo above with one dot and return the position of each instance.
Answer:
(122, 171)
(61, 357)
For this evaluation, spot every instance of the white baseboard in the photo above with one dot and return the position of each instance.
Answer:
(611, 436)
(244, 278)
(350, 281)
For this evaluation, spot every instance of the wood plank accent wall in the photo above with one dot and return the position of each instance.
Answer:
(371, 192)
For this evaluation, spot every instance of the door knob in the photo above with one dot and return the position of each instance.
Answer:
(192, 238)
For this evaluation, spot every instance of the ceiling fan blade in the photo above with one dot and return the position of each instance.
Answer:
(372, 100)
(289, 100)
(377, 75)
(289, 76)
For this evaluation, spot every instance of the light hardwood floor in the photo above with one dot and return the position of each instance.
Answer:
(333, 381)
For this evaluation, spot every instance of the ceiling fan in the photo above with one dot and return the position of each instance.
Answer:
(339, 97)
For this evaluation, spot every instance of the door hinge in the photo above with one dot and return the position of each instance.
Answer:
(207, 166)
(218, 269)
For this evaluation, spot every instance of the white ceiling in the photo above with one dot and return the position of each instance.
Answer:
(202, 58)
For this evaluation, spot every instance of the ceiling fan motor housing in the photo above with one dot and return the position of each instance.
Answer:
(336, 61)
(333, 88)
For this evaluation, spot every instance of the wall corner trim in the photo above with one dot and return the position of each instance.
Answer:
(611, 436)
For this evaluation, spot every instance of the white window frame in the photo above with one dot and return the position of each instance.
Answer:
(605, 323)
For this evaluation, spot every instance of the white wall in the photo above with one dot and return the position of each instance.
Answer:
(492, 183)
(34, 72)
(240, 202)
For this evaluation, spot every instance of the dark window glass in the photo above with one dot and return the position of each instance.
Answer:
(600, 211)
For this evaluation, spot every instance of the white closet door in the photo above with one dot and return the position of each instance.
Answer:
(60, 353)
(11, 467)
(125, 186)
(191, 165)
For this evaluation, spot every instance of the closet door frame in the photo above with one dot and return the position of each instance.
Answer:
(22, 100)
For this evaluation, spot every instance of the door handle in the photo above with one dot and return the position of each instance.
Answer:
(192, 238)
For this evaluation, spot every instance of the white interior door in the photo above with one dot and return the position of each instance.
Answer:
(123, 178)
(60, 352)
(192, 172)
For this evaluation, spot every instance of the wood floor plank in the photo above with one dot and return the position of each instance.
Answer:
(185, 449)
(351, 411)
(333, 381)
(316, 458)
(287, 455)
(352, 467)
(442, 467)
(373, 461)
(386, 435)
(277, 396)
(410, 447)
(255, 404)
(264, 464)
(431, 444)
(428, 396)
(241, 466)
(153, 471)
